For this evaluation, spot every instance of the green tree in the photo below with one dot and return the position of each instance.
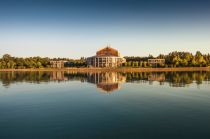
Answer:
(141, 64)
(193, 62)
(39, 65)
(145, 64)
(184, 62)
(6, 57)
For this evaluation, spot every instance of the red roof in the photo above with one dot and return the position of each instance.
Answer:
(107, 51)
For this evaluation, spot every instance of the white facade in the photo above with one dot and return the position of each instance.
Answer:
(109, 61)
(106, 57)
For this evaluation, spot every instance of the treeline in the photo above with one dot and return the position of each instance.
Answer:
(76, 62)
(9, 62)
(174, 59)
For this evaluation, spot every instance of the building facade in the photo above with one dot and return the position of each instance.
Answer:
(156, 62)
(57, 64)
(106, 57)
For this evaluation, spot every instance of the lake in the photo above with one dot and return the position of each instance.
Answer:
(104, 105)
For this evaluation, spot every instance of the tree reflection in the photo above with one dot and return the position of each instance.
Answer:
(107, 81)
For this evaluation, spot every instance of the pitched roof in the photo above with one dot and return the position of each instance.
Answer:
(107, 51)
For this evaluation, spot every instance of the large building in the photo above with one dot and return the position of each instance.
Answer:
(106, 57)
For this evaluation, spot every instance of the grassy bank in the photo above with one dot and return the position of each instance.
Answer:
(114, 69)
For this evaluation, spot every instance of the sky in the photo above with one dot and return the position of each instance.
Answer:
(78, 28)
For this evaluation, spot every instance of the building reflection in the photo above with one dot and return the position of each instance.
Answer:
(106, 81)
(160, 77)
(58, 76)
(156, 77)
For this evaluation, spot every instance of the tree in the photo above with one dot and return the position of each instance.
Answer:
(198, 54)
(176, 60)
(6, 57)
(3, 65)
(161, 56)
(125, 64)
(136, 64)
(184, 62)
(201, 61)
(129, 64)
(39, 65)
(145, 64)
(193, 62)
(141, 64)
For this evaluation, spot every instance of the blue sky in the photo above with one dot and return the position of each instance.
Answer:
(75, 28)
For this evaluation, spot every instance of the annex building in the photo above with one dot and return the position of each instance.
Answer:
(106, 57)
(156, 62)
(57, 64)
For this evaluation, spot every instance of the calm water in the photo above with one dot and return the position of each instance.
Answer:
(62, 105)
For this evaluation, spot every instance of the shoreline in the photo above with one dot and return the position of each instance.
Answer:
(111, 69)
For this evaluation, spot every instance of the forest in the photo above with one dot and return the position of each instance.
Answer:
(9, 62)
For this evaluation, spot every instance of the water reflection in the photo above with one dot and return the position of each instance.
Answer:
(107, 81)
